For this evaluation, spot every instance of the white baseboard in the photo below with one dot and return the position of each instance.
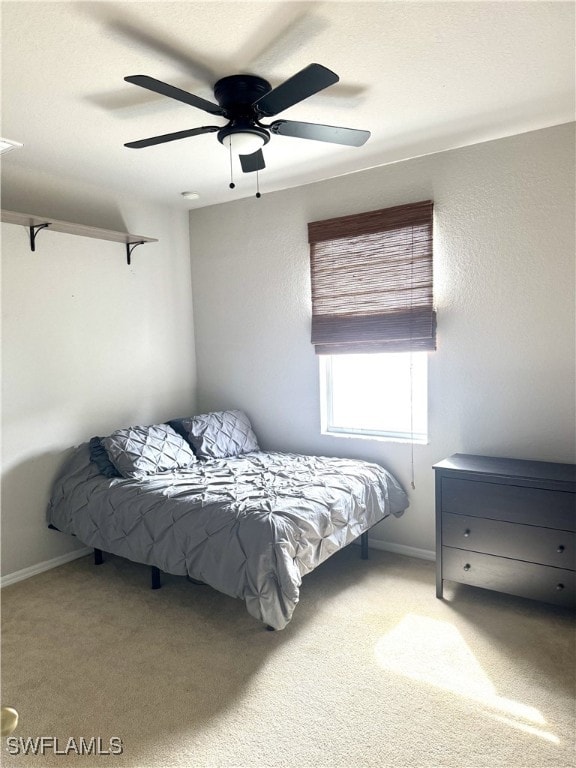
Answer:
(33, 570)
(401, 549)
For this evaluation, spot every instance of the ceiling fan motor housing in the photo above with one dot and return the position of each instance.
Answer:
(237, 92)
(236, 95)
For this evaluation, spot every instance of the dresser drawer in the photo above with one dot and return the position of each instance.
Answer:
(523, 542)
(510, 503)
(539, 582)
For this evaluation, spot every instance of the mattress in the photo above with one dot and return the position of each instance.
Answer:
(250, 526)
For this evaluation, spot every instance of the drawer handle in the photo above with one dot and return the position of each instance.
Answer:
(467, 533)
(560, 548)
(559, 587)
(467, 567)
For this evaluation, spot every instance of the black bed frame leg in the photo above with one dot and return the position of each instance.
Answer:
(98, 557)
(155, 573)
(364, 545)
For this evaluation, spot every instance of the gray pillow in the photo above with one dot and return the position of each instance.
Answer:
(142, 451)
(99, 456)
(219, 434)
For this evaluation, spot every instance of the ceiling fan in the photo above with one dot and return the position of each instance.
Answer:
(243, 100)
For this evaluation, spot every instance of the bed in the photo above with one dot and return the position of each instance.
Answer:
(197, 497)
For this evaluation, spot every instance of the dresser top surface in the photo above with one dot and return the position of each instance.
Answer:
(503, 467)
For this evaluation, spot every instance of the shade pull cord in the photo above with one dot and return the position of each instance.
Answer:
(412, 477)
(232, 185)
(258, 185)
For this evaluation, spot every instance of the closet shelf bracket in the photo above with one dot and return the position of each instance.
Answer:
(34, 229)
(129, 248)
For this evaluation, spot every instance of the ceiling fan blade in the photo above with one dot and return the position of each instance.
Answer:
(284, 29)
(303, 84)
(253, 162)
(167, 48)
(174, 93)
(119, 22)
(351, 137)
(171, 137)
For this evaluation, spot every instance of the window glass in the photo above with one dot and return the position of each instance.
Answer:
(375, 395)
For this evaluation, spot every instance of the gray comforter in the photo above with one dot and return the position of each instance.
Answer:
(250, 526)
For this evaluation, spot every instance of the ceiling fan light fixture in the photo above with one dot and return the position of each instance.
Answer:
(244, 142)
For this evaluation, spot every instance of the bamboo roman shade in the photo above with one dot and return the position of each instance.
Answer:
(372, 281)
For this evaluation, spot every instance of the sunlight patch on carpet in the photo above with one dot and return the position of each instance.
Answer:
(434, 652)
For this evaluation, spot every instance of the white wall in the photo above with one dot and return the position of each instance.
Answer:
(89, 344)
(502, 379)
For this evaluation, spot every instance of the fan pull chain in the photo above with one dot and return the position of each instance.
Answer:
(258, 185)
(232, 185)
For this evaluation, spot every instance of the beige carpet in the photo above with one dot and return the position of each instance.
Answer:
(373, 670)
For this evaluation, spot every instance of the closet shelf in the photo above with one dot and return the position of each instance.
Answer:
(36, 223)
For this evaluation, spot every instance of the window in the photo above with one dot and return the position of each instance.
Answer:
(382, 396)
(373, 320)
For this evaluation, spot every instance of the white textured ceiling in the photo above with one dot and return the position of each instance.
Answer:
(422, 77)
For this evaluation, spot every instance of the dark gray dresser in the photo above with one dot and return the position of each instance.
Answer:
(507, 525)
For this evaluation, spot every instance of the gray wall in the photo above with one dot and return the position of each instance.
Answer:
(88, 344)
(502, 379)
